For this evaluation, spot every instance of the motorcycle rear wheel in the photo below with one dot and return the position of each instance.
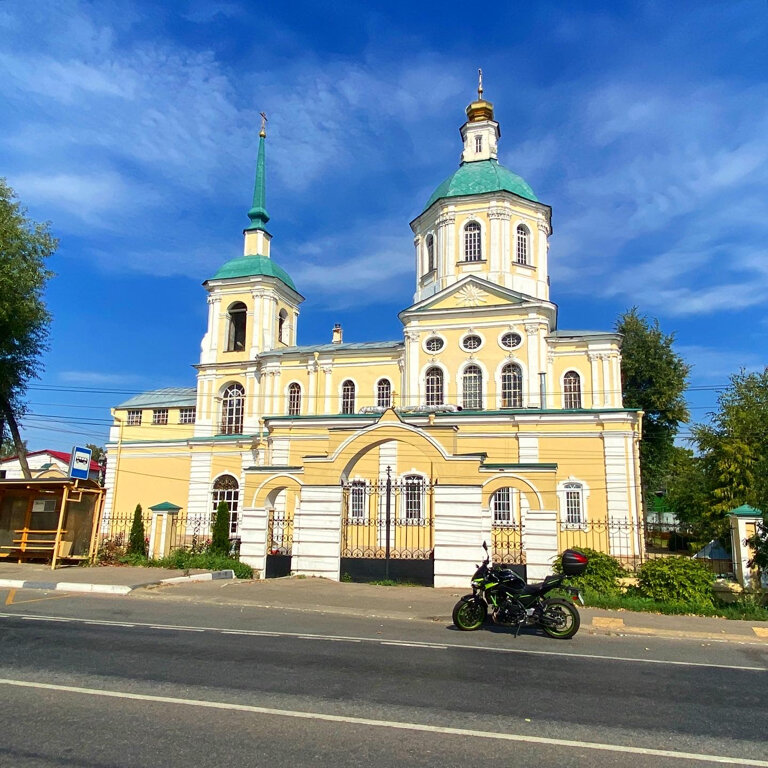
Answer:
(564, 617)
(469, 614)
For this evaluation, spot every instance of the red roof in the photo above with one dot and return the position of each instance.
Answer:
(60, 455)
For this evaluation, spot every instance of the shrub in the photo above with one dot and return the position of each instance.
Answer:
(602, 573)
(185, 560)
(137, 545)
(220, 533)
(676, 580)
(111, 550)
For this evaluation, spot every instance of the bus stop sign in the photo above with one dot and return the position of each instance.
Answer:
(80, 463)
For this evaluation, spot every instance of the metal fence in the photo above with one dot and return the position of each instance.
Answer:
(192, 532)
(633, 544)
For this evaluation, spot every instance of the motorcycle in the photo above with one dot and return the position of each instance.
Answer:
(512, 602)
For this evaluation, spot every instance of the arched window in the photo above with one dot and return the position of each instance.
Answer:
(232, 407)
(236, 328)
(521, 251)
(430, 253)
(384, 393)
(226, 489)
(511, 386)
(501, 503)
(574, 503)
(348, 396)
(572, 389)
(472, 388)
(357, 500)
(281, 326)
(434, 388)
(294, 399)
(413, 493)
(472, 248)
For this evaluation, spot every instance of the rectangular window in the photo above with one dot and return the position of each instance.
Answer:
(357, 500)
(502, 506)
(134, 418)
(160, 416)
(414, 495)
(573, 506)
(187, 415)
(478, 143)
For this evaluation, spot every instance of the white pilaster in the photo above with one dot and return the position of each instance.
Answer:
(594, 389)
(532, 397)
(618, 492)
(253, 538)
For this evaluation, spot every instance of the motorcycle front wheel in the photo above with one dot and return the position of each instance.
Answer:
(469, 613)
(561, 619)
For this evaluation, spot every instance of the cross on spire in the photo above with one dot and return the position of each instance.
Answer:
(479, 84)
(263, 131)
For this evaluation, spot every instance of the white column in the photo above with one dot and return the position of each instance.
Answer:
(251, 413)
(596, 401)
(542, 268)
(540, 542)
(328, 371)
(459, 534)
(531, 396)
(199, 502)
(618, 491)
(317, 532)
(605, 365)
(411, 396)
(494, 247)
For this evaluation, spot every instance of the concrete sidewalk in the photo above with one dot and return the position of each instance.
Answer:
(324, 596)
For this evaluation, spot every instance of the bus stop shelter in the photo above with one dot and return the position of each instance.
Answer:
(49, 519)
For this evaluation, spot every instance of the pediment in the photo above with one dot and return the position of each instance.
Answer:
(469, 293)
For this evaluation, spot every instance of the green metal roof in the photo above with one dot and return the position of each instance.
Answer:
(258, 213)
(481, 176)
(170, 396)
(165, 506)
(746, 511)
(247, 266)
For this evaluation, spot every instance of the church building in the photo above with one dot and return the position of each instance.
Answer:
(486, 421)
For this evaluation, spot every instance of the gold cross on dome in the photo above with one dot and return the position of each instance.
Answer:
(479, 84)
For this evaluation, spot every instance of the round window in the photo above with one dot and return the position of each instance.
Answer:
(511, 340)
(471, 342)
(434, 344)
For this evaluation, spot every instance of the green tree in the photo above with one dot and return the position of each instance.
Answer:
(24, 320)
(137, 544)
(220, 532)
(97, 452)
(687, 494)
(734, 445)
(653, 378)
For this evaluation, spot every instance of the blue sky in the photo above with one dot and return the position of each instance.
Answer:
(132, 127)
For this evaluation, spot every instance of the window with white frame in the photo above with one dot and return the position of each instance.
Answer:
(478, 143)
(434, 386)
(511, 340)
(472, 248)
(511, 386)
(232, 409)
(160, 416)
(434, 344)
(348, 396)
(573, 498)
(134, 418)
(227, 489)
(472, 388)
(471, 342)
(572, 389)
(294, 399)
(357, 497)
(501, 504)
(413, 497)
(384, 393)
(521, 251)
(187, 415)
(430, 253)
(236, 314)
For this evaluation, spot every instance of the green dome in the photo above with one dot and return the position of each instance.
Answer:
(481, 176)
(246, 266)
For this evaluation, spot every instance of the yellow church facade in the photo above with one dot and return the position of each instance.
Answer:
(485, 422)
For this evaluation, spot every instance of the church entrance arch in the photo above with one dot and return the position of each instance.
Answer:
(280, 504)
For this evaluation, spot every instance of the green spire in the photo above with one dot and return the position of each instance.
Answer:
(258, 213)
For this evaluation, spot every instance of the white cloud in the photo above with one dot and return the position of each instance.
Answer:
(98, 378)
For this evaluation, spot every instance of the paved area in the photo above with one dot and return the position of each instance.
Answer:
(324, 596)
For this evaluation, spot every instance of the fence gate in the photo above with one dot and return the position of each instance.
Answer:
(387, 530)
(279, 543)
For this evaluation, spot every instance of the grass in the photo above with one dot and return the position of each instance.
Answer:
(182, 559)
(745, 608)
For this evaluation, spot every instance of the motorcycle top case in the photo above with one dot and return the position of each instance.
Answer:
(574, 563)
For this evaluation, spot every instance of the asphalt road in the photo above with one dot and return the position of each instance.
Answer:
(109, 682)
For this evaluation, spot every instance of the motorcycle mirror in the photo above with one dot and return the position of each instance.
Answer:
(485, 547)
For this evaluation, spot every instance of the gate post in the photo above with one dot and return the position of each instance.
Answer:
(253, 539)
(459, 533)
(317, 532)
(540, 542)
(163, 520)
(744, 521)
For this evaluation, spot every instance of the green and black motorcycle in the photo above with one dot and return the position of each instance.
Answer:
(512, 602)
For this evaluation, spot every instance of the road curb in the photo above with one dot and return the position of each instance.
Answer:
(110, 589)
